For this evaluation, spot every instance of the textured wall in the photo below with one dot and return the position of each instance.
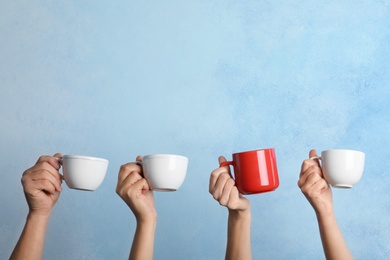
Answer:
(115, 79)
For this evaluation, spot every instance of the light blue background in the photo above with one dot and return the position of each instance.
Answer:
(203, 79)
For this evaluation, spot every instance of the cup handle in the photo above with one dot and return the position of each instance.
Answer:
(223, 164)
(319, 158)
(60, 160)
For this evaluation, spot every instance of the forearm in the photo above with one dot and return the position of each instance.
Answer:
(143, 243)
(239, 242)
(32, 239)
(332, 239)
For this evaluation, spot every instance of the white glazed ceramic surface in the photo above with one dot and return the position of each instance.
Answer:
(342, 168)
(83, 172)
(164, 172)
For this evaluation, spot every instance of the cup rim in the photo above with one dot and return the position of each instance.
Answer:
(255, 150)
(83, 157)
(343, 150)
(164, 155)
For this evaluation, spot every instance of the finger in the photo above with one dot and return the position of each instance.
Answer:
(43, 171)
(222, 159)
(57, 156)
(215, 174)
(141, 184)
(306, 164)
(49, 159)
(312, 170)
(127, 182)
(42, 174)
(226, 194)
(126, 169)
(312, 153)
(132, 178)
(315, 189)
(310, 181)
(139, 162)
(40, 185)
(234, 200)
(321, 185)
(47, 186)
(309, 162)
(217, 190)
(214, 178)
(47, 167)
(132, 185)
(314, 161)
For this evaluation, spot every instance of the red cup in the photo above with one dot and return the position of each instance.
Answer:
(255, 171)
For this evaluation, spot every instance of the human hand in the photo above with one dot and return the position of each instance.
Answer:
(314, 186)
(223, 189)
(42, 185)
(135, 191)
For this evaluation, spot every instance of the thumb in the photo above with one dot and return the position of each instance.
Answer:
(221, 159)
(56, 164)
(312, 153)
(58, 155)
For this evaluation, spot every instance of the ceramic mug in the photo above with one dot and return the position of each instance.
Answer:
(83, 172)
(342, 168)
(255, 171)
(164, 172)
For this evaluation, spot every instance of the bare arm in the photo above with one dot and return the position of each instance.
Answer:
(223, 189)
(239, 243)
(42, 187)
(332, 239)
(31, 241)
(319, 194)
(135, 191)
(143, 243)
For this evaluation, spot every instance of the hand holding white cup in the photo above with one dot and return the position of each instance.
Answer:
(342, 168)
(83, 172)
(164, 172)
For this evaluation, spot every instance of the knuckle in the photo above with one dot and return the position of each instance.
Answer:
(307, 163)
(231, 182)
(124, 167)
(214, 174)
(223, 203)
(41, 158)
(232, 205)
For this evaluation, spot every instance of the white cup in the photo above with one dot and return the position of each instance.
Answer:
(342, 168)
(164, 172)
(83, 172)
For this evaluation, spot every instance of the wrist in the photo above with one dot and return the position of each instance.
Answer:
(38, 216)
(37, 221)
(325, 213)
(326, 218)
(240, 214)
(150, 221)
(146, 227)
